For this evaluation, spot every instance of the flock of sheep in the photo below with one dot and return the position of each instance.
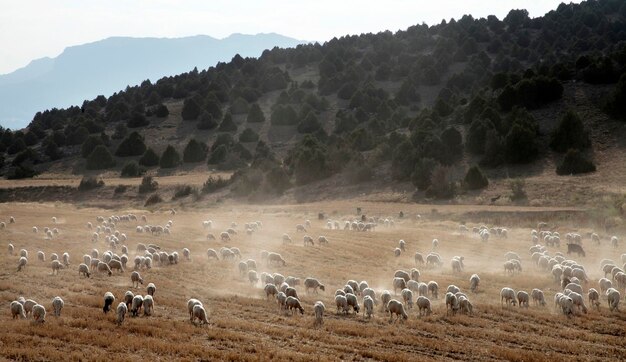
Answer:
(356, 297)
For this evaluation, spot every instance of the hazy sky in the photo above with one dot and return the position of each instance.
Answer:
(31, 29)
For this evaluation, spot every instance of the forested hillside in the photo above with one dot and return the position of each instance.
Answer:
(412, 104)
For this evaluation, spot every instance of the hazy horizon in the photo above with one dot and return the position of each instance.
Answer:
(35, 29)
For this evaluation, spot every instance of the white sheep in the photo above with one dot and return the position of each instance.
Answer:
(397, 252)
(342, 304)
(122, 309)
(41, 256)
(508, 295)
(11, 249)
(21, 264)
(385, 297)
(353, 302)
(281, 299)
(293, 303)
(613, 297)
(275, 258)
(109, 298)
(56, 266)
(319, 309)
(136, 305)
(187, 254)
(211, 253)
(452, 303)
(150, 289)
(407, 296)
(523, 298)
(312, 283)
(474, 281)
(538, 297)
(39, 313)
(594, 298)
(270, 289)
(397, 308)
(17, 310)
(66, 259)
(103, 267)
(433, 288)
(253, 277)
(423, 304)
(398, 283)
(368, 304)
(148, 305)
(136, 279)
(57, 305)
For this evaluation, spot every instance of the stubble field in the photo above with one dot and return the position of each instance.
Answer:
(245, 325)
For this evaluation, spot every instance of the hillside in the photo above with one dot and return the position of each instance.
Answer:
(382, 112)
(106, 66)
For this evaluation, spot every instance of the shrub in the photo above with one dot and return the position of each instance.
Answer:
(120, 131)
(255, 114)
(520, 145)
(207, 122)
(100, 158)
(239, 106)
(90, 144)
(170, 158)
(153, 199)
(277, 180)
(148, 185)
(218, 155)
(77, 137)
(137, 120)
(18, 145)
(403, 161)
(120, 189)
(284, 116)
(309, 161)
(212, 184)
(194, 151)
(440, 185)
(422, 173)
(248, 135)
(574, 163)
(183, 191)
(161, 111)
(149, 158)
(309, 124)
(28, 155)
(616, 102)
(131, 146)
(90, 183)
(228, 125)
(570, 133)
(20, 172)
(52, 151)
(132, 169)
(518, 190)
(191, 109)
(475, 179)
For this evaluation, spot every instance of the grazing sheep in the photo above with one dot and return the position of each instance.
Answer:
(191, 303)
(293, 303)
(270, 289)
(322, 240)
(253, 277)
(397, 308)
(243, 268)
(211, 253)
(66, 259)
(11, 249)
(136, 305)
(419, 259)
(433, 288)
(613, 297)
(605, 285)
(17, 310)
(225, 236)
(465, 306)
(402, 274)
(122, 309)
(578, 301)
(567, 305)
(136, 279)
(117, 265)
(385, 298)
(109, 298)
(538, 297)
(281, 299)
(451, 302)
(286, 238)
(150, 289)
(594, 298)
(252, 265)
(453, 289)
(398, 283)
(275, 258)
(435, 244)
(83, 269)
(342, 304)
(348, 289)
(187, 254)
(291, 292)
(522, 298)
(397, 252)
(456, 265)
(407, 296)
(422, 289)
(148, 305)
(57, 305)
(278, 279)
(508, 295)
(319, 309)
(28, 305)
(104, 268)
(56, 266)
(301, 228)
(574, 287)
(21, 264)
(423, 304)
(353, 302)
(402, 245)
(35, 230)
(474, 281)
(340, 292)
(39, 313)
(433, 260)
(368, 304)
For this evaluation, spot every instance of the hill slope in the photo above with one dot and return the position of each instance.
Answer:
(106, 66)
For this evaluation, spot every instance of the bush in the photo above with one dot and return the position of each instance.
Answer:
(120, 189)
(18, 145)
(153, 199)
(77, 137)
(191, 109)
(90, 144)
(149, 158)
(207, 122)
(20, 172)
(310, 124)
(422, 173)
(137, 120)
(239, 106)
(357, 172)
(520, 145)
(131, 146)
(574, 163)
(475, 179)
(132, 169)
(248, 135)
(52, 151)
(100, 158)
(518, 191)
(120, 131)
(161, 111)
(616, 102)
(440, 185)
(255, 114)
(170, 158)
(148, 185)
(284, 116)
(194, 151)
(213, 184)
(570, 133)
(309, 161)
(228, 125)
(183, 191)
(90, 183)
(218, 155)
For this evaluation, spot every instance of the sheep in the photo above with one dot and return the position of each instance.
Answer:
(398, 283)
(253, 277)
(286, 238)
(56, 266)
(433, 288)
(422, 289)
(353, 302)
(11, 220)
(319, 309)
(435, 244)
(225, 236)
(578, 301)
(413, 285)
(385, 298)
(275, 258)
(474, 281)
(251, 264)
(402, 274)
(281, 299)
(291, 292)
(340, 292)
(104, 268)
(301, 228)
(293, 303)
(397, 308)
(407, 296)
(83, 269)
(136, 305)
(17, 310)
(312, 283)
(121, 311)
(187, 254)
(613, 297)
(278, 279)
(28, 305)
(423, 304)
(453, 289)
(21, 264)
(270, 289)
(148, 305)
(508, 295)
(433, 260)
(451, 302)
(419, 259)
(456, 265)
(594, 298)
(348, 289)
(402, 245)
(522, 298)
(117, 265)
(11, 249)
(191, 303)
(243, 268)
(574, 287)
(605, 284)
(150, 289)
(57, 305)
(66, 259)
(35, 230)
(211, 253)
(567, 305)
(136, 279)
(397, 252)
(342, 304)
(538, 297)
(322, 240)
(368, 304)
(39, 313)
(465, 306)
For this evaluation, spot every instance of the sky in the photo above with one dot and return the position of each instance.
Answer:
(33, 29)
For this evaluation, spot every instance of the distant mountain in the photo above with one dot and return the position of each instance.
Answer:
(103, 67)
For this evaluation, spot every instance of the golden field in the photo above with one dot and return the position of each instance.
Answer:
(245, 325)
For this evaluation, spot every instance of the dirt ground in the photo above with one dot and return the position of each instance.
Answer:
(245, 325)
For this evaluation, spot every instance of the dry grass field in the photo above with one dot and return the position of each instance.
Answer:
(244, 325)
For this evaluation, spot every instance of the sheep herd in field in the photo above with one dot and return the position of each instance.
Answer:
(406, 290)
